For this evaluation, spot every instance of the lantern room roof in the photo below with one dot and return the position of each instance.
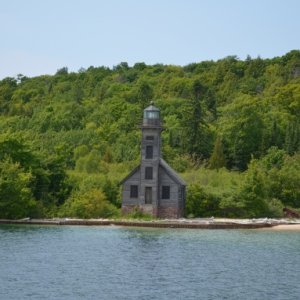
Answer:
(151, 107)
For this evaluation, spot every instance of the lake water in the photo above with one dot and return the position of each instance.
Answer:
(73, 262)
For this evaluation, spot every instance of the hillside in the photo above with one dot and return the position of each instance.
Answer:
(232, 128)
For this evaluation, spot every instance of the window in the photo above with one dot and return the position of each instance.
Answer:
(133, 191)
(148, 173)
(149, 137)
(149, 152)
(150, 114)
(165, 192)
(148, 195)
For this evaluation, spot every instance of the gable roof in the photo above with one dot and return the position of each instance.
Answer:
(130, 174)
(171, 172)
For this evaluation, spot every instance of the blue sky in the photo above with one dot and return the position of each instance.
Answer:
(39, 37)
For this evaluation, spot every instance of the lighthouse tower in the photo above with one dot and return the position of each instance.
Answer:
(150, 157)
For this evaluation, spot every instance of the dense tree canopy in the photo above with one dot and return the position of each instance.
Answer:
(57, 130)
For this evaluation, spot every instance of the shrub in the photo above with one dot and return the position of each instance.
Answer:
(137, 213)
(201, 204)
(89, 204)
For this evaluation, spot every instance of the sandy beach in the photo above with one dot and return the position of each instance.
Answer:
(285, 227)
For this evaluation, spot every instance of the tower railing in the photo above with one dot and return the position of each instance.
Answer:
(152, 122)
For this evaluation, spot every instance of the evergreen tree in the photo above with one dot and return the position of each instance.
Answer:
(292, 138)
(194, 125)
(144, 94)
(217, 159)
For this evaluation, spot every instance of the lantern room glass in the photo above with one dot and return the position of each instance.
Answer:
(151, 114)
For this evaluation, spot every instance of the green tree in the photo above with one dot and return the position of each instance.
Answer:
(196, 137)
(17, 151)
(292, 137)
(217, 159)
(62, 71)
(200, 203)
(49, 179)
(111, 190)
(144, 94)
(242, 129)
(253, 192)
(16, 199)
(7, 87)
(284, 181)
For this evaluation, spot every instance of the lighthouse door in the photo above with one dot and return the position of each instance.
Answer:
(148, 195)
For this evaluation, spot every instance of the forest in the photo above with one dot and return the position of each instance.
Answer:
(232, 131)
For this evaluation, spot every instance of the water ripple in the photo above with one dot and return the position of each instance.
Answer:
(40, 262)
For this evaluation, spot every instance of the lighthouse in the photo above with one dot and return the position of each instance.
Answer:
(153, 186)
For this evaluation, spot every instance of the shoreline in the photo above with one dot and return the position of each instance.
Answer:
(201, 223)
(285, 227)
